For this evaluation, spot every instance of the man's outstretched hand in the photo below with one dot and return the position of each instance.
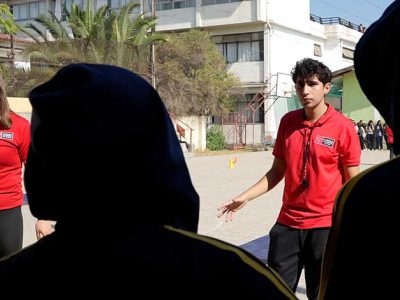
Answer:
(230, 208)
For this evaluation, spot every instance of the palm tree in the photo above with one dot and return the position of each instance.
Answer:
(90, 27)
(133, 38)
(53, 44)
(101, 36)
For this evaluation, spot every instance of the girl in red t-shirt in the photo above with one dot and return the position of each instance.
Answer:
(14, 145)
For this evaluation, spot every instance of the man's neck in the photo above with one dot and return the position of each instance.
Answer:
(313, 115)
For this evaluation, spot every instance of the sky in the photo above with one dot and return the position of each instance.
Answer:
(356, 11)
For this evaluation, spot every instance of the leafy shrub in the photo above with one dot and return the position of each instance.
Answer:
(215, 138)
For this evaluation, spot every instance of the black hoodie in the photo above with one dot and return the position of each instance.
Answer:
(362, 253)
(105, 163)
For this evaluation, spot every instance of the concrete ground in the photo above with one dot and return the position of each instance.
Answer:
(216, 183)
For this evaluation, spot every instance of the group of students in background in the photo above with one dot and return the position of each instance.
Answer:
(372, 134)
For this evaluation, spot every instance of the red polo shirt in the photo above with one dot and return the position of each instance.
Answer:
(14, 145)
(333, 143)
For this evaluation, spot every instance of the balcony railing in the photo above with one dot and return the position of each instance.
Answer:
(337, 20)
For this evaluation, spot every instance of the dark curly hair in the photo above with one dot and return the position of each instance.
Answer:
(308, 67)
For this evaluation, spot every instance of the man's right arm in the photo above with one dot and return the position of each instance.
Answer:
(266, 183)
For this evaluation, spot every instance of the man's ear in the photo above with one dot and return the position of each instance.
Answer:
(327, 88)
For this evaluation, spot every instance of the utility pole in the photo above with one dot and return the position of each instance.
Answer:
(153, 47)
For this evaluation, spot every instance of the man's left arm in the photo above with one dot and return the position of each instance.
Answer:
(350, 171)
(351, 152)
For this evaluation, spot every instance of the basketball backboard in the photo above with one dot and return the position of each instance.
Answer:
(284, 85)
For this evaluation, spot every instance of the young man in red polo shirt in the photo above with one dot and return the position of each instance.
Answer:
(316, 151)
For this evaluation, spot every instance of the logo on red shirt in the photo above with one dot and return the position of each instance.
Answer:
(6, 135)
(325, 141)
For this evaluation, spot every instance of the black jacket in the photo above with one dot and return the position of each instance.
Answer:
(362, 255)
(105, 163)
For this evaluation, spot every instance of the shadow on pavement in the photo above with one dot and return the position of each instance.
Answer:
(258, 247)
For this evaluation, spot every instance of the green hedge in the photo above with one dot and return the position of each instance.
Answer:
(215, 138)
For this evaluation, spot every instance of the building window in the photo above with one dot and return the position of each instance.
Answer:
(68, 5)
(213, 2)
(117, 4)
(317, 50)
(163, 5)
(79, 3)
(26, 11)
(174, 4)
(53, 6)
(241, 47)
(348, 53)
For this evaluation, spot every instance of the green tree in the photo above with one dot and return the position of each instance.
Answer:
(133, 39)
(10, 27)
(89, 27)
(192, 77)
(97, 36)
(56, 48)
(88, 35)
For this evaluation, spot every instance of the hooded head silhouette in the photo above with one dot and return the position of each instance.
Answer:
(348, 271)
(103, 146)
(377, 53)
(106, 164)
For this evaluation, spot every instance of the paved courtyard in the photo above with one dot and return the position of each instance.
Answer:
(216, 182)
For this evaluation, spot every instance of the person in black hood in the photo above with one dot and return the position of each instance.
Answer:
(119, 234)
(361, 254)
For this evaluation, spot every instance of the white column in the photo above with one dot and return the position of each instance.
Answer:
(198, 14)
(269, 120)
